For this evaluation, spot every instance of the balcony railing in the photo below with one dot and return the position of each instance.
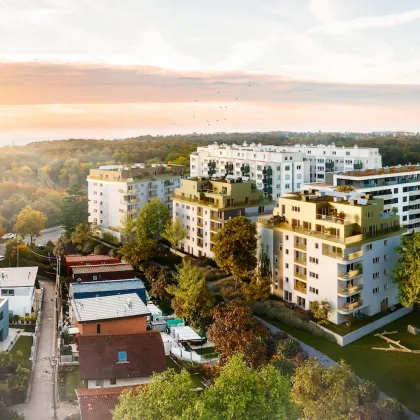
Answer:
(199, 234)
(350, 290)
(300, 288)
(348, 257)
(350, 274)
(199, 223)
(301, 261)
(351, 306)
(216, 218)
(132, 201)
(300, 275)
(300, 246)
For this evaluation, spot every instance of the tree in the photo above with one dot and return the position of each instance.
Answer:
(30, 222)
(9, 414)
(83, 234)
(345, 188)
(192, 300)
(161, 283)
(243, 393)
(168, 396)
(235, 247)
(135, 253)
(407, 270)
(152, 220)
(2, 229)
(260, 284)
(151, 273)
(320, 310)
(74, 209)
(129, 229)
(64, 246)
(236, 330)
(174, 232)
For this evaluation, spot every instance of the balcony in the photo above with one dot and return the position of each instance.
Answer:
(215, 218)
(300, 287)
(200, 234)
(200, 243)
(200, 223)
(351, 274)
(200, 213)
(349, 307)
(332, 219)
(300, 261)
(214, 227)
(349, 257)
(300, 246)
(350, 290)
(129, 201)
(300, 275)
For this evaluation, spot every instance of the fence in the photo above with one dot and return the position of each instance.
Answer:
(367, 329)
(192, 356)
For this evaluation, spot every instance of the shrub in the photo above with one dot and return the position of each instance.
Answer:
(109, 238)
(33, 318)
(368, 392)
(287, 349)
(286, 367)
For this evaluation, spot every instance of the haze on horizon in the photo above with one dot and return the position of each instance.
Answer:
(108, 68)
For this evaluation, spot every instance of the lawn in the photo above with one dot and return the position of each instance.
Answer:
(27, 328)
(69, 381)
(397, 374)
(23, 344)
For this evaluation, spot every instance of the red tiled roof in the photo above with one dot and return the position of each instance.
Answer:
(86, 258)
(98, 403)
(101, 268)
(98, 355)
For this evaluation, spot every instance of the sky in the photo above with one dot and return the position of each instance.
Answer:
(117, 68)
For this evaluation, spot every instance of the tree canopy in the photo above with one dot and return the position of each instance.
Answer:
(152, 220)
(30, 222)
(174, 232)
(74, 209)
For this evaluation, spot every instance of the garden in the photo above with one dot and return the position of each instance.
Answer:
(68, 382)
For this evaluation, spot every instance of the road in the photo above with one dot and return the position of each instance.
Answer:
(50, 234)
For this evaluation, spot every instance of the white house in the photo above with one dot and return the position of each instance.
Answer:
(17, 284)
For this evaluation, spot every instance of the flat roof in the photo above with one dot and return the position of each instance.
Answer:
(108, 307)
(101, 268)
(184, 334)
(18, 276)
(387, 171)
(107, 285)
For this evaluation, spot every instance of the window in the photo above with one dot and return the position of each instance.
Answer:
(98, 328)
(298, 167)
(287, 237)
(8, 292)
(376, 275)
(287, 168)
(287, 186)
(369, 247)
(286, 279)
(287, 296)
(313, 290)
(314, 275)
(95, 277)
(316, 246)
(369, 215)
(122, 357)
(386, 242)
(1, 315)
(376, 290)
(286, 265)
(376, 260)
(386, 272)
(386, 257)
(313, 260)
(295, 208)
(99, 382)
(113, 382)
(385, 286)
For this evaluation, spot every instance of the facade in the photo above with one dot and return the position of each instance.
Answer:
(17, 284)
(281, 169)
(274, 170)
(78, 260)
(204, 205)
(120, 360)
(116, 193)
(4, 319)
(109, 315)
(91, 273)
(333, 246)
(398, 186)
(108, 288)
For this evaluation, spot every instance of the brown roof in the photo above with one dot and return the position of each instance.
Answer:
(101, 268)
(87, 258)
(98, 403)
(98, 355)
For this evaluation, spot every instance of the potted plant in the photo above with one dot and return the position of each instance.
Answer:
(341, 216)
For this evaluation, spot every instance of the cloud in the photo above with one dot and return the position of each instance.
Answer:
(368, 22)
(326, 11)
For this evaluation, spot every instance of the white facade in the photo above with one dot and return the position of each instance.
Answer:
(18, 286)
(291, 165)
(107, 383)
(113, 199)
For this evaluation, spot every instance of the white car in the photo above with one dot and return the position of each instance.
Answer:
(8, 236)
(1, 257)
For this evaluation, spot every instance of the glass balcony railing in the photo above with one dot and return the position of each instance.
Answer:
(350, 274)
(348, 307)
(350, 290)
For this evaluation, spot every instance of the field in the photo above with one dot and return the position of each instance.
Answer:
(396, 374)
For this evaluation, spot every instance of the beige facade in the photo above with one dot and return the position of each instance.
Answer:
(204, 205)
(333, 246)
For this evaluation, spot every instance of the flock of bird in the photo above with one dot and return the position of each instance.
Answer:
(221, 107)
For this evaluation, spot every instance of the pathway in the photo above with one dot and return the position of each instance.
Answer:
(327, 362)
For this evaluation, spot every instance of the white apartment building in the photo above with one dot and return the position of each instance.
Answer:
(17, 284)
(118, 192)
(333, 246)
(204, 205)
(290, 165)
(274, 170)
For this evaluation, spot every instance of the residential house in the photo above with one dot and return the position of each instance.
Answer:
(78, 260)
(90, 273)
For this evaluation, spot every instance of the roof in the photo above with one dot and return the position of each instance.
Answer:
(87, 258)
(386, 171)
(97, 403)
(184, 334)
(108, 285)
(98, 355)
(18, 276)
(101, 268)
(108, 307)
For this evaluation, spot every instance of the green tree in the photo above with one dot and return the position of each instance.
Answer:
(174, 232)
(161, 284)
(259, 285)
(74, 209)
(135, 253)
(30, 222)
(235, 247)
(320, 310)
(82, 236)
(129, 229)
(8, 413)
(344, 188)
(407, 270)
(152, 220)
(236, 330)
(192, 300)
(168, 396)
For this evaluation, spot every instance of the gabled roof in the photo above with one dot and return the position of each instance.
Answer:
(18, 276)
(98, 403)
(108, 307)
(107, 285)
(87, 258)
(101, 268)
(98, 355)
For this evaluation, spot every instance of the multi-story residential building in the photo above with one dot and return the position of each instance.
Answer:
(398, 186)
(281, 169)
(333, 246)
(204, 205)
(274, 170)
(118, 192)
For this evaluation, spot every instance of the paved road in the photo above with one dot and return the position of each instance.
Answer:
(50, 234)
(40, 406)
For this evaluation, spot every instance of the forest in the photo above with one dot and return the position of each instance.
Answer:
(39, 173)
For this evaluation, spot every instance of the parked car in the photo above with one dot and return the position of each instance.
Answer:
(1, 257)
(8, 236)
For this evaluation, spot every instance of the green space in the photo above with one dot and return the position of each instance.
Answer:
(23, 344)
(395, 373)
(196, 378)
(26, 328)
(69, 381)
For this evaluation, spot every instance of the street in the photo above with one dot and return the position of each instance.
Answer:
(50, 234)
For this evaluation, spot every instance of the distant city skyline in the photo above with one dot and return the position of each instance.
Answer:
(107, 68)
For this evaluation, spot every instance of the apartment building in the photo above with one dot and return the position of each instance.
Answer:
(274, 170)
(118, 192)
(281, 169)
(204, 205)
(333, 246)
(398, 186)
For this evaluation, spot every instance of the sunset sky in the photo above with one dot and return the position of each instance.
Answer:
(116, 68)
